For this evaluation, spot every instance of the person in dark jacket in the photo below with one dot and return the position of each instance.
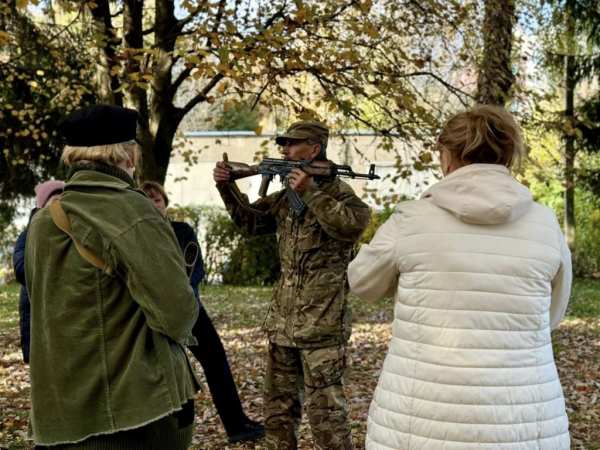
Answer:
(209, 351)
(45, 194)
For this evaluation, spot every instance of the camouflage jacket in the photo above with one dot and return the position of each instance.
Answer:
(309, 307)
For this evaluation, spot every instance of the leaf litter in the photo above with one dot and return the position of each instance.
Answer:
(237, 314)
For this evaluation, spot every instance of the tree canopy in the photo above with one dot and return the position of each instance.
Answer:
(396, 67)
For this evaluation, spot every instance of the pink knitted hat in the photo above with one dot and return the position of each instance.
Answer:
(45, 190)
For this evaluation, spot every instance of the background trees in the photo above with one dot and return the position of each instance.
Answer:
(395, 67)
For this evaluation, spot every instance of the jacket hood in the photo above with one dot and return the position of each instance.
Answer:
(484, 194)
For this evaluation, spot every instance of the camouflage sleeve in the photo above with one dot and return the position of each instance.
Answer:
(252, 223)
(344, 217)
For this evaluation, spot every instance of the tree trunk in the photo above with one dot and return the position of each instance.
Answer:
(136, 97)
(495, 74)
(106, 83)
(160, 126)
(570, 151)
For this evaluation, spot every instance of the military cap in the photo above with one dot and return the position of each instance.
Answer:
(305, 130)
(98, 125)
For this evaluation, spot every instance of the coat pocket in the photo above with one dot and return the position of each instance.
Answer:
(324, 366)
(274, 313)
(310, 234)
(318, 313)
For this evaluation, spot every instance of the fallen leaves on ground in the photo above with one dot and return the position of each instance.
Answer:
(238, 313)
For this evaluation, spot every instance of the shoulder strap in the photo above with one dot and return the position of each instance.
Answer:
(239, 197)
(190, 255)
(62, 221)
(235, 191)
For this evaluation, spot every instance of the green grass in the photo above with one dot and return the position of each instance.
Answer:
(9, 304)
(248, 303)
(585, 300)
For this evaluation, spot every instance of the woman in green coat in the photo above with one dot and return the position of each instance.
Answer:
(108, 363)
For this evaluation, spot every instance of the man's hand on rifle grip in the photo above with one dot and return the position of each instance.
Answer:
(221, 174)
(300, 181)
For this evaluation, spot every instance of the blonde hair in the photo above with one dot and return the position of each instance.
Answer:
(486, 134)
(113, 154)
(152, 188)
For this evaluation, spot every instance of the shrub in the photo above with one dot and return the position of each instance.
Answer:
(230, 255)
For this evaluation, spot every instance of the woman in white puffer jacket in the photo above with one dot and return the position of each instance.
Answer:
(481, 274)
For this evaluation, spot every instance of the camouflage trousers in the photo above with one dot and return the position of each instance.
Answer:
(312, 376)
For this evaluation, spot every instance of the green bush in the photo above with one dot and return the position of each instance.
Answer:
(586, 257)
(586, 254)
(378, 218)
(230, 255)
(8, 237)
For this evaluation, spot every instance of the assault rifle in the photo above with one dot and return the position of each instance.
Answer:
(268, 168)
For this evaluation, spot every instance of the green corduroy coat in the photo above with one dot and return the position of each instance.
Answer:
(107, 354)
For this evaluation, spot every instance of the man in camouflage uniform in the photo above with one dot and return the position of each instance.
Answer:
(309, 319)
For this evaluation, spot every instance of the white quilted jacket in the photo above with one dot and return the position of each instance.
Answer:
(480, 274)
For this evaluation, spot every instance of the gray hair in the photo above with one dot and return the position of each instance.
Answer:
(323, 154)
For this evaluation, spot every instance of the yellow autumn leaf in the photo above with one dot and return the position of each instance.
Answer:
(372, 31)
(426, 158)
(258, 130)
(227, 106)
(222, 88)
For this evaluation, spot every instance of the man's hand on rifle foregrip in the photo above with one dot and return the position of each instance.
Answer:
(300, 181)
(221, 174)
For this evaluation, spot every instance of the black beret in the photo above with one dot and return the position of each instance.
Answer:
(98, 125)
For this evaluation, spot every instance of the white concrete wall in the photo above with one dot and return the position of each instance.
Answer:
(356, 151)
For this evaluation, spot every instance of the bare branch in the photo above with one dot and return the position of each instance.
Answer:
(180, 79)
(170, 38)
(342, 10)
(180, 25)
(279, 14)
(263, 89)
(200, 97)
(456, 91)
